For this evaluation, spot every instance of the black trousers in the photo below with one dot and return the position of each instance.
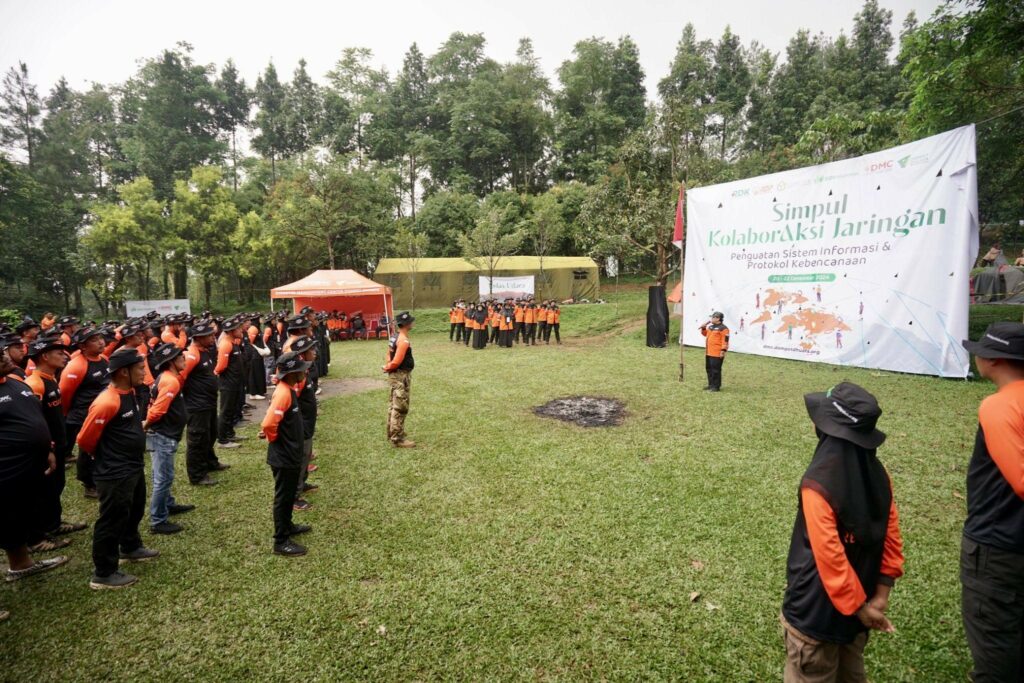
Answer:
(992, 602)
(713, 365)
(286, 481)
(122, 505)
(200, 435)
(554, 327)
(518, 331)
(542, 331)
(494, 334)
(229, 408)
(466, 334)
(460, 328)
(530, 335)
(451, 332)
(50, 512)
(83, 466)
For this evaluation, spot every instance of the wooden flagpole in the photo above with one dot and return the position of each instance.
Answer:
(678, 238)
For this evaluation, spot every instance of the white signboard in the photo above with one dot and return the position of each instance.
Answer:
(862, 262)
(506, 287)
(135, 309)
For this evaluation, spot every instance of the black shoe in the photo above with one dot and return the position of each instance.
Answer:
(166, 528)
(221, 466)
(114, 581)
(714, 389)
(140, 554)
(206, 481)
(300, 529)
(307, 487)
(179, 508)
(91, 492)
(289, 549)
(707, 388)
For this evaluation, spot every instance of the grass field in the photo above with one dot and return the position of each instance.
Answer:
(509, 546)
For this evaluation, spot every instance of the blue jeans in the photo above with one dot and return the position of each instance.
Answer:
(163, 449)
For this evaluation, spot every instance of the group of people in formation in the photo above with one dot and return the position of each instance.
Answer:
(98, 397)
(504, 323)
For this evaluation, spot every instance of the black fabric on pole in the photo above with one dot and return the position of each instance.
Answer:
(657, 318)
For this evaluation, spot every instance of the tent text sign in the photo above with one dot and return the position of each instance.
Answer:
(862, 262)
(506, 287)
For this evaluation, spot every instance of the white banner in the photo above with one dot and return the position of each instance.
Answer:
(862, 262)
(136, 309)
(506, 287)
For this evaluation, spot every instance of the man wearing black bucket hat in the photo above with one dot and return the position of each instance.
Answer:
(282, 427)
(992, 549)
(846, 551)
(399, 368)
(166, 419)
(84, 378)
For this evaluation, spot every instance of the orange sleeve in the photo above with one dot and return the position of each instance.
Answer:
(168, 337)
(102, 409)
(182, 339)
(837, 576)
(191, 361)
(71, 378)
(267, 333)
(35, 383)
(704, 331)
(224, 348)
(400, 348)
(1003, 427)
(892, 552)
(280, 402)
(111, 347)
(169, 388)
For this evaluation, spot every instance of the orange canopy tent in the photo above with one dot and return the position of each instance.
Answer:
(338, 290)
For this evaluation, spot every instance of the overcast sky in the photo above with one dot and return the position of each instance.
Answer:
(102, 40)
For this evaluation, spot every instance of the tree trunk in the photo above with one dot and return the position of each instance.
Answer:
(412, 185)
(180, 281)
(330, 253)
(234, 162)
(207, 287)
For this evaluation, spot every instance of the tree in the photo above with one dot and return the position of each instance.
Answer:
(731, 85)
(527, 119)
(271, 139)
(445, 216)
(232, 110)
(20, 108)
(303, 112)
(360, 86)
(489, 241)
(411, 245)
(545, 228)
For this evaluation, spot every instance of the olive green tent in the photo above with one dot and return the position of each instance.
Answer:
(439, 281)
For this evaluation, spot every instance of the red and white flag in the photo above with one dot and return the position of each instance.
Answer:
(680, 231)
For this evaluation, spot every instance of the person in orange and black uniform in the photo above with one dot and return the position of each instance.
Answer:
(399, 369)
(306, 348)
(231, 381)
(200, 389)
(282, 427)
(84, 378)
(460, 321)
(68, 326)
(717, 335)
(452, 316)
(50, 356)
(166, 418)
(992, 548)
(28, 329)
(846, 551)
(26, 459)
(554, 324)
(112, 435)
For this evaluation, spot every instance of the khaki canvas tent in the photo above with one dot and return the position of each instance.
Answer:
(341, 290)
(439, 281)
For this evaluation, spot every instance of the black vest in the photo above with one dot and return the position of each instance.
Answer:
(995, 514)
(407, 363)
(93, 383)
(172, 424)
(286, 450)
(201, 384)
(53, 413)
(122, 446)
(307, 406)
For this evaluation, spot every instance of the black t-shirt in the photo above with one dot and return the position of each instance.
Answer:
(201, 384)
(24, 435)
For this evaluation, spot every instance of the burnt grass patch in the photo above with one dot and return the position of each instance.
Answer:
(585, 411)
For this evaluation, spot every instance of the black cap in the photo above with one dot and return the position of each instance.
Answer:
(26, 324)
(152, 315)
(305, 310)
(303, 344)
(122, 358)
(230, 324)
(203, 328)
(164, 354)
(404, 318)
(84, 334)
(130, 330)
(44, 344)
(11, 339)
(66, 320)
(289, 363)
(297, 323)
(1000, 340)
(847, 411)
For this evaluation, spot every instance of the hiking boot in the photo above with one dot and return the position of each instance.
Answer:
(48, 545)
(179, 508)
(140, 554)
(37, 567)
(302, 505)
(300, 529)
(91, 492)
(307, 487)
(206, 481)
(228, 444)
(69, 528)
(221, 466)
(405, 443)
(165, 528)
(116, 580)
(289, 549)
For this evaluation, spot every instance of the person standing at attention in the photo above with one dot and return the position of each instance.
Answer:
(399, 369)
(992, 549)
(717, 335)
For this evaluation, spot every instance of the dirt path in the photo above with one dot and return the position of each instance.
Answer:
(349, 385)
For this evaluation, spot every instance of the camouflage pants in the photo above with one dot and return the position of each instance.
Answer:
(398, 408)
